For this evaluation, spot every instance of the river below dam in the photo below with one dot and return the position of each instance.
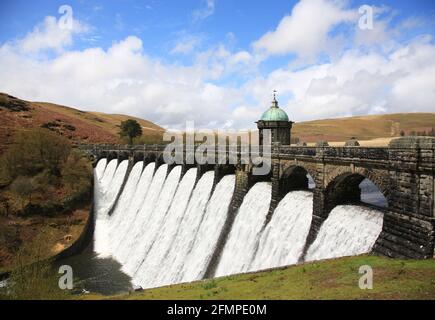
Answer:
(164, 228)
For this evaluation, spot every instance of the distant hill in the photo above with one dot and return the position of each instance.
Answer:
(370, 127)
(79, 126)
(96, 127)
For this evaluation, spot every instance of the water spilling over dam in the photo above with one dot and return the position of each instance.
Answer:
(165, 226)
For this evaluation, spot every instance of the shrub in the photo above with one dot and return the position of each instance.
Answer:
(33, 151)
(76, 173)
(23, 187)
(44, 173)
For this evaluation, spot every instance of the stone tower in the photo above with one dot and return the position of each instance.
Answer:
(277, 121)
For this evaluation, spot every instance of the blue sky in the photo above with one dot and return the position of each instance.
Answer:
(217, 61)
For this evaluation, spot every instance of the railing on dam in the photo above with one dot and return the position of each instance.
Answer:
(376, 154)
(369, 152)
(405, 152)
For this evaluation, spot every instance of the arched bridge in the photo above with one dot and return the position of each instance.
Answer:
(403, 172)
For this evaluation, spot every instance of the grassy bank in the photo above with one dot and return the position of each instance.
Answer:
(53, 233)
(329, 279)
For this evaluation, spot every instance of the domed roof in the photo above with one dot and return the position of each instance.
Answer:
(274, 113)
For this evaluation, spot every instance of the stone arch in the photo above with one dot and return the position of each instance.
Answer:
(378, 177)
(310, 168)
(294, 177)
(342, 186)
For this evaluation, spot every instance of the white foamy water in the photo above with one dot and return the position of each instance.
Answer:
(187, 231)
(106, 201)
(208, 234)
(151, 268)
(119, 245)
(164, 231)
(156, 218)
(283, 239)
(139, 226)
(98, 189)
(241, 244)
(99, 169)
(107, 175)
(103, 174)
(121, 212)
(349, 230)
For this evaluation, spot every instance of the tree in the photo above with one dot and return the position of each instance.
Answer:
(130, 129)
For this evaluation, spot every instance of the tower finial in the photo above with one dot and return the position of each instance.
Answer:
(274, 101)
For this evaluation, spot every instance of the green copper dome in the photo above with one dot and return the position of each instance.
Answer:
(274, 113)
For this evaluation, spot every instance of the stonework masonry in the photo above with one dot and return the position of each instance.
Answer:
(404, 173)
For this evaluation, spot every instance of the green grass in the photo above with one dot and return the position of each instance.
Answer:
(329, 279)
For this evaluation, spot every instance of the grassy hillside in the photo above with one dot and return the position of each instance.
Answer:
(363, 127)
(328, 279)
(76, 125)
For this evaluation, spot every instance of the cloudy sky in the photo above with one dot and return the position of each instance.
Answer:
(217, 61)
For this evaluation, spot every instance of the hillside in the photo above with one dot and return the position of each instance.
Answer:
(96, 127)
(79, 126)
(364, 127)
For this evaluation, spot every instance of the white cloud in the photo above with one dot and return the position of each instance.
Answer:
(306, 30)
(125, 79)
(381, 34)
(122, 79)
(357, 83)
(186, 44)
(49, 35)
(205, 12)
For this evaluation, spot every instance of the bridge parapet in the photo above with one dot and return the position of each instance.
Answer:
(363, 153)
(276, 151)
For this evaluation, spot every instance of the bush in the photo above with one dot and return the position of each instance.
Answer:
(23, 187)
(34, 151)
(76, 173)
(44, 174)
